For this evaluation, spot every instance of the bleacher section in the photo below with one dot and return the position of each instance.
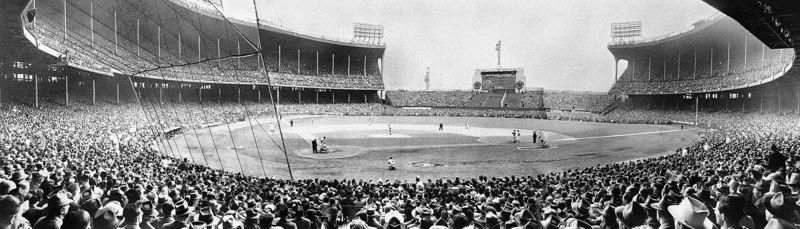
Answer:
(513, 100)
(580, 101)
(430, 98)
(493, 100)
(558, 100)
(477, 100)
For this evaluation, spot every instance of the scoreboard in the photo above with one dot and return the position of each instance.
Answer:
(499, 80)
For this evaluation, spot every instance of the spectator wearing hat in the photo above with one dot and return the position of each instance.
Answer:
(6, 186)
(394, 221)
(9, 214)
(251, 218)
(608, 218)
(266, 220)
(491, 221)
(77, 218)
(730, 212)
(207, 217)
(149, 214)
(301, 221)
(775, 160)
(665, 219)
(652, 216)
(690, 213)
(779, 206)
(230, 222)
(794, 183)
(523, 217)
(182, 213)
(133, 216)
(459, 221)
(57, 208)
(19, 176)
(167, 215)
(631, 215)
(580, 214)
(283, 221)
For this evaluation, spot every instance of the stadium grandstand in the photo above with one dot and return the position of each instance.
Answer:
(715, 62)
(149, 114)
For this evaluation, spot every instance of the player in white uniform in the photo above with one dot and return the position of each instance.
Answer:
(391, 163)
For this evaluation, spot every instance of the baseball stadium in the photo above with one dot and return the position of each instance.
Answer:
(217, 114)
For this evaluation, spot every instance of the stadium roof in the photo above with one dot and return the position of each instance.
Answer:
(718, 29)
(14, 45)
(776, 23)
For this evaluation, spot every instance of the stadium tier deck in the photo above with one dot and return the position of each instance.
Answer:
(714, 54)
(177, 41)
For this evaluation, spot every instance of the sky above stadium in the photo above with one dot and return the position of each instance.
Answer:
(561, 44)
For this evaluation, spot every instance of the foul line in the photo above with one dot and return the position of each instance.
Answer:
(623, 135)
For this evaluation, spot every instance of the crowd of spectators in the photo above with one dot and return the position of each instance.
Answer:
(404, 98)
(533, 98)
(738, 76)
(556, 100)
(581, 101)
(97, 167)
(101, 54)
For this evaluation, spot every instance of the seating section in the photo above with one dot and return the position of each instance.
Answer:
(493, 100)
(759, 66)
(110, 159)
(581, 101)
(559, 100)
(477, 100)
(513, 100)
(107, 52)
(404, 98)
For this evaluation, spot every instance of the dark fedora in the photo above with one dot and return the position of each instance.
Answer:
(57, 200)
(779, 205)
(18, 176)
(207, 216)
(251, 214)
(107, 218)
(671, 198)
(182, 209)
(762, 186)
(581, 207)
(148, 209)
(632, 214)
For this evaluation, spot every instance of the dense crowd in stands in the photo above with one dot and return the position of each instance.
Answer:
(738, 76)
(582, 101)
(102, 55)
(557, 100)
(403, 98)
(97, 167)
